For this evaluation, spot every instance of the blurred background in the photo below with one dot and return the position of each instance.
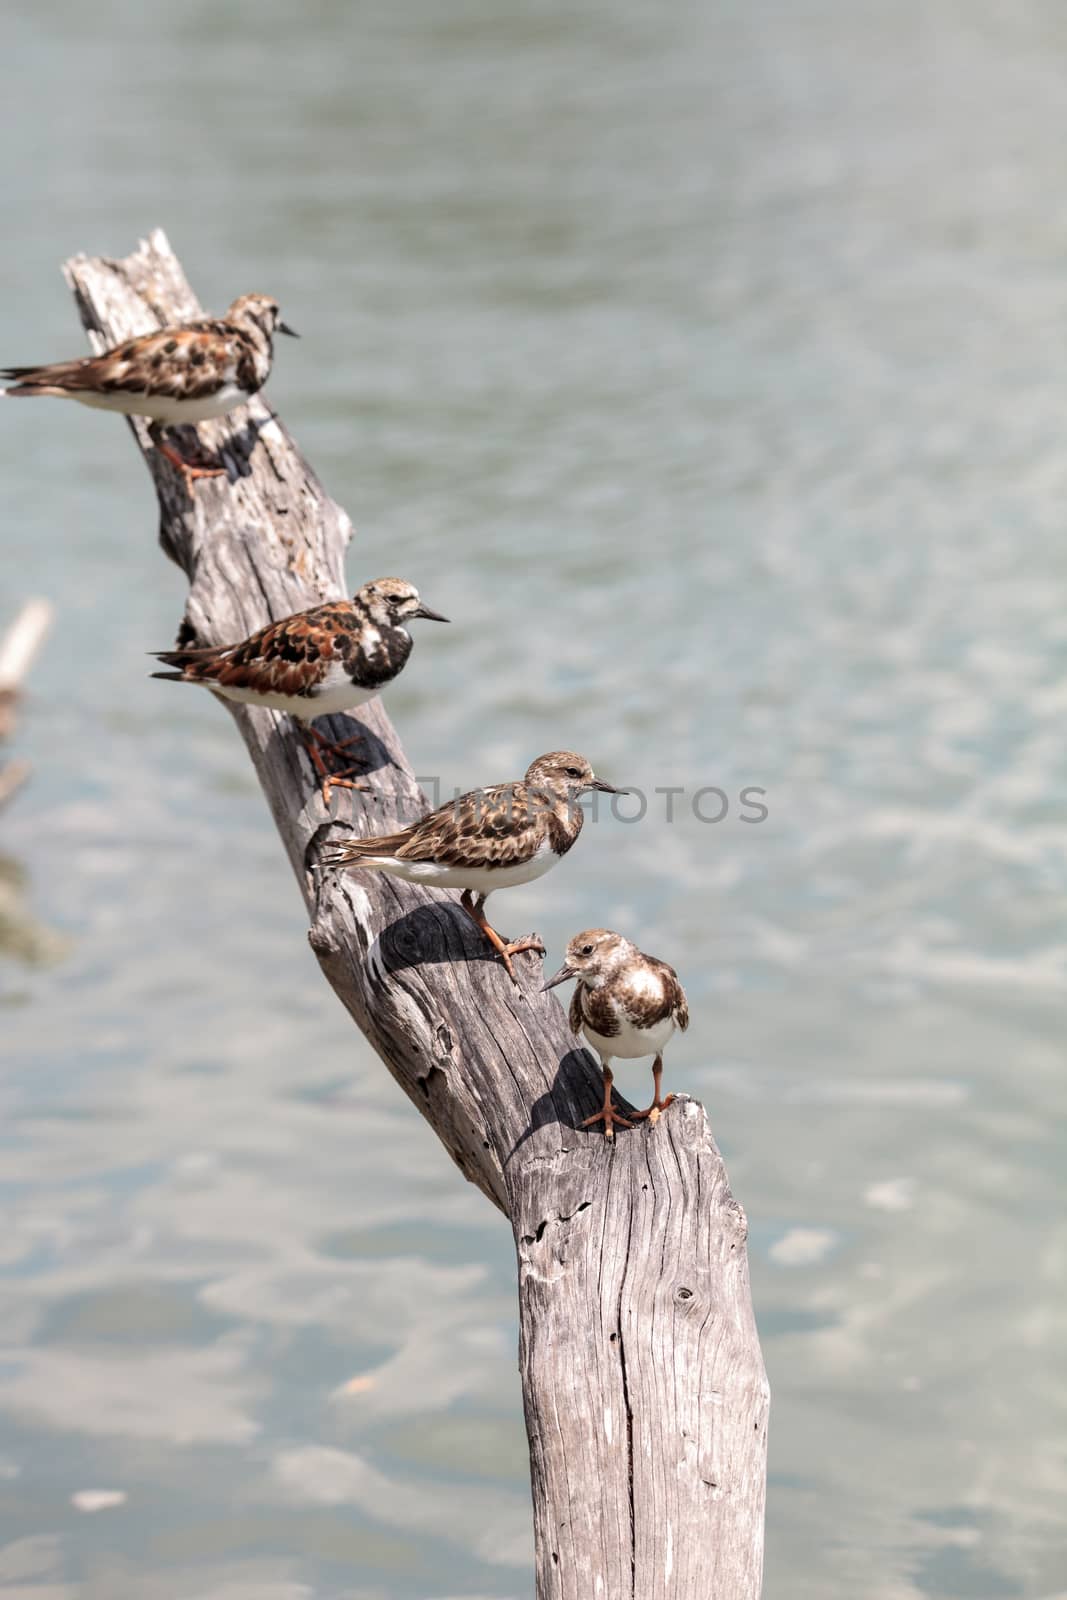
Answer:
(706, 365)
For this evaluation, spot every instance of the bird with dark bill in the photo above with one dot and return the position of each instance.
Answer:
(314, 664)
(627, 1005)
(489, 839)
(187, 373)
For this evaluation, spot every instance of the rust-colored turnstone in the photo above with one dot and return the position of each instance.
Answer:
(314, 664)
(627, 1005)
(184, 374)
(490, 839)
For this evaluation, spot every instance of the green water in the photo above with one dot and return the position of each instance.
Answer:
(706, 365)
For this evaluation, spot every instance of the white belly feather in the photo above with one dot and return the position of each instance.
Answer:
(163, 408)
(631, 1043)
(336, 693)
(480, 880)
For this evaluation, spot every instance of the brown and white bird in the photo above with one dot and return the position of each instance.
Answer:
(627, 1005)
(188, 373)
(490, 839)
(314, 664)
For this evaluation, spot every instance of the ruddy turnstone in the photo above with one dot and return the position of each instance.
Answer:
(188, 373)
(628, 1005)
(314, 664)
(490, 839)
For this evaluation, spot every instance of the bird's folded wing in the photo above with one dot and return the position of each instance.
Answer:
(574, 1015)
(288, 657)
(179, 363)
(679, 1005)
(487, 828)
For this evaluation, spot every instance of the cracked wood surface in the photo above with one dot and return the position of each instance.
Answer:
(643, 1384)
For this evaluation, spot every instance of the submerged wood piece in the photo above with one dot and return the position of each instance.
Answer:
(18, 646)
(643, 1385)
(22, 937)
(21, 642)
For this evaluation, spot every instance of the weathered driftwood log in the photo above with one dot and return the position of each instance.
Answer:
(644, 1390)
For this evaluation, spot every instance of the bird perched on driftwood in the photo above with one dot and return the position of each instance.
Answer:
(188, 373)
(627, 1005)
(490, 839)
(314, 664)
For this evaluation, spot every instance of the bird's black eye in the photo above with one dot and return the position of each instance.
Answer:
(573, 772)
(587, 949)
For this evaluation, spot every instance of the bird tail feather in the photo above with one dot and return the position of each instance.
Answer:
(354, 852)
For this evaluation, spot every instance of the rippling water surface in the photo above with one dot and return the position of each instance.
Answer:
(706, 365)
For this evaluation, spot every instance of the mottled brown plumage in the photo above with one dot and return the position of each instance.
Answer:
(187, 373)
(296, 657)
(494, 827)
(499, 837)
(316, 663)
(642, 1006)
(627, 1005)
(291, 657)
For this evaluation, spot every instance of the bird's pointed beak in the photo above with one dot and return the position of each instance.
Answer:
(561, 976)
(605, 788)
(431, 616)
(283, 327)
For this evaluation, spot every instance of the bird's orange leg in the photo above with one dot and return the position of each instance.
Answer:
(190, 469)
(607, 1113)
(333, 747)
(505, 950)
(328, 780)
(657, 1105)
